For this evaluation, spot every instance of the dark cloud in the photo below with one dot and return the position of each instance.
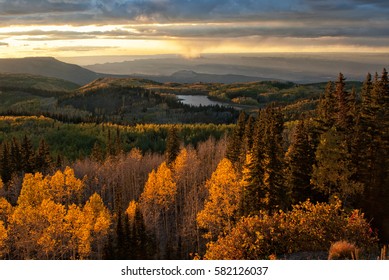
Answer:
(41, 35)
(193, 10)
(25, 7)
(312, 30)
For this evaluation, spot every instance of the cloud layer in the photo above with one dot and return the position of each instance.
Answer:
(335, 22)
(192, 10)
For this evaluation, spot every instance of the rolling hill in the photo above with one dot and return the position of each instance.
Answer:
(36, 82)
(49, 67)
(31, 93)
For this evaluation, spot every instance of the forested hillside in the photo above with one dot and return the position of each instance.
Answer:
(288, 178)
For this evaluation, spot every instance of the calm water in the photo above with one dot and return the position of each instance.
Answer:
(197, 100)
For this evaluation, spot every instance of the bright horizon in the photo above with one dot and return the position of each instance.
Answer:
(68, 28)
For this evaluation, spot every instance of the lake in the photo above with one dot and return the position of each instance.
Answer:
(197, 100)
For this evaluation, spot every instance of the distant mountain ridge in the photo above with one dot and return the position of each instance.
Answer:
(294, 67)
(49, 67)
(189, 77)
(208, 69)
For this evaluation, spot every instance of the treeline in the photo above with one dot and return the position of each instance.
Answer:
(36, 91)
(75, 117)
(76, 141)
(20, 158)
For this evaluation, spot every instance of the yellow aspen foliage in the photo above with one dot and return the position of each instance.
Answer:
(95, 207)
(41, 226)
(99, 219)
(35, 189)
(39, 232)
(52, 241)
(25, 227)
(131, 211)
(221, 206)
(307, 227)
(136, 153)
(3, 238)
(64, 186)
(180, 162)
(1, 185)
(160, 188)
(184, 167)
(79, 228)
(157, 201)
(5, 209)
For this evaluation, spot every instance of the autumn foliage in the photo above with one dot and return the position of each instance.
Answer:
(49, 222)
(222, 205)
(308, 227)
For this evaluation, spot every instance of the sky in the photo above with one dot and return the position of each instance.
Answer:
(71, 28)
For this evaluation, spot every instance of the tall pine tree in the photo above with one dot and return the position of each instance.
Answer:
(300, 159)
(28, 155)
(43, 159)
(263, 179)
(172, 145)
(235, 147)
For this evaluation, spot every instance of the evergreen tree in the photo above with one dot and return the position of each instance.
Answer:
(123, 250)
(373, 160)
(251, 195)
(6, 168)
(273, 162)
(28, 155)
(300, 158)
(118, 142)
(43, 159)
(15, 156)
(342, 103)
(326, 108)
(58, 162)
(254, 195)
(172, 145)
(263, 179)
(235, 147)
(141, 243)
(365, 129)
(248, 134)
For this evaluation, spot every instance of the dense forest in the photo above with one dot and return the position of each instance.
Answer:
(285, 180)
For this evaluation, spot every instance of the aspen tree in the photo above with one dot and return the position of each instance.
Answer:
(99, 220)
(3, 238)
(222, 205)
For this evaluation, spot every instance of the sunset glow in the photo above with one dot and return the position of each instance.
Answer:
(95, 28)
